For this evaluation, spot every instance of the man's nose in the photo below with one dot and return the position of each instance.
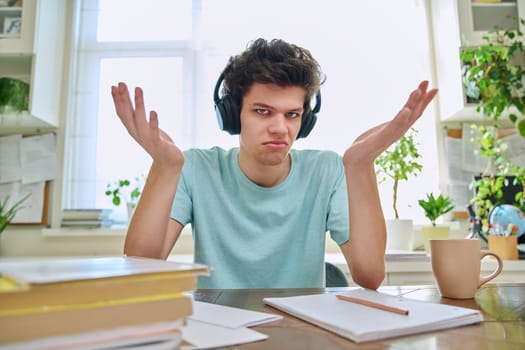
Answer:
(278, 123)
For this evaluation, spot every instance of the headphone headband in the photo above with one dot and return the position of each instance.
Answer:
(228, 113)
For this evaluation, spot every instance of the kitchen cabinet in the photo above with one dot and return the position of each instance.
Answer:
(477, 18)
(35, 55)
(458, 24)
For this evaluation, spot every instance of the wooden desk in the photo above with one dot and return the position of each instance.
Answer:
(503, 307)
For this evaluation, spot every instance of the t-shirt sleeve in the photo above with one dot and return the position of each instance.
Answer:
(337, 222)
(182, 208)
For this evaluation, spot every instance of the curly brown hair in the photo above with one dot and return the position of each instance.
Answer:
(272, 62)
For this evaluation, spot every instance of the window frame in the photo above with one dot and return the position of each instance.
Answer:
(83, 99)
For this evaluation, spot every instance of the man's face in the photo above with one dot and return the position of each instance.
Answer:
(270, 121)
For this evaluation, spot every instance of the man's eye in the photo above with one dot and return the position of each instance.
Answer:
(293, 114)
(262, 111)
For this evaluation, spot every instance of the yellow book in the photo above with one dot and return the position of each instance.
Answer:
(33, 283)
(61, 320)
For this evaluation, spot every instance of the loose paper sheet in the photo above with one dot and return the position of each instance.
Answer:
(39, 159)
(213, 326)
(32, 208)
(28, 159)
(202, 335)
(230, 317)
(10, 160)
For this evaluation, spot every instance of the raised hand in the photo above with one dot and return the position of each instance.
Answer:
(147, 133)
(365, 250)
(373, 142)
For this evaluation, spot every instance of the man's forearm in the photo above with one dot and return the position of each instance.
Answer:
(367, 227)
(148, 228)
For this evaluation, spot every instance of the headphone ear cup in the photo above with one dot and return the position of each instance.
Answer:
(307, 124)
(309, 120)
(226, 110)
(228, 115)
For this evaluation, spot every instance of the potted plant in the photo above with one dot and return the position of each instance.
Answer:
(494, 78)
(8, 213)
(398, 163)
(124, 191)
(434, 208)
(490, 184)
(14, 95)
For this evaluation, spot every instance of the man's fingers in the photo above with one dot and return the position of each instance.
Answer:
(139, 103)
(423, 86)
(425, 100)
(413, 99)
(124, 106)
(153, 120)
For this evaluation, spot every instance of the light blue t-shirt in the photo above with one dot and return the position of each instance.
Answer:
(258, 237)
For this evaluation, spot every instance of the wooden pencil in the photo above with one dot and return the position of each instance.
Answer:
(372, 304)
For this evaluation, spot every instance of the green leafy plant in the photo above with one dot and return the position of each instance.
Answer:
(8, 213)
(398, 163)
(14, 94)
(496, 71)
(436, 207)
(494, 78)
(123, 191)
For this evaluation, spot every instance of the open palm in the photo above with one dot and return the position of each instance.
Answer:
(147, 133)
(374, 141)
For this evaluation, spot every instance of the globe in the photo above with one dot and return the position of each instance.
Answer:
(505, 214)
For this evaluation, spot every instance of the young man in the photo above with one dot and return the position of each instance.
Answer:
(260, 212)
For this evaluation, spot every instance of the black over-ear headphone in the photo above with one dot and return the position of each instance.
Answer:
(228, 113)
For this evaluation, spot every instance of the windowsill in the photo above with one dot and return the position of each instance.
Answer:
(18, 241)
(41, 241)
(84, 232)
(113, 231)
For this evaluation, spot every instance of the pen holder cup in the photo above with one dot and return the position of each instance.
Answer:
(505, 246)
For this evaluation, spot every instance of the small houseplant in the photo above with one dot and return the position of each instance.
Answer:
(398, 163)
(434, 208)
(124, 191)
(8, 213)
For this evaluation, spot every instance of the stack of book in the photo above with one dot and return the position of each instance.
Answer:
(85, 302)
(87, 218)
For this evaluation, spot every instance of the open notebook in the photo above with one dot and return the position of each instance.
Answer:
(363, 323)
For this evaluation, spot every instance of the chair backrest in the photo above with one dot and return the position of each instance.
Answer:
(335, 277)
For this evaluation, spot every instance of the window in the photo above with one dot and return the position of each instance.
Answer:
(175, 50)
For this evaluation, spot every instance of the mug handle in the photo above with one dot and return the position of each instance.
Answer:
(485, 279)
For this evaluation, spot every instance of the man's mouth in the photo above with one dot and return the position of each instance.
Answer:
(276, 144)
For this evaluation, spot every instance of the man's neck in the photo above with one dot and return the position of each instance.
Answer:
(262, 174)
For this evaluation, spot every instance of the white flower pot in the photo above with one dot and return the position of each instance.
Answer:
(399, 234)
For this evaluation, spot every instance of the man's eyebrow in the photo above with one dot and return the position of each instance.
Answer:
(264, 105)
(260, 104)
